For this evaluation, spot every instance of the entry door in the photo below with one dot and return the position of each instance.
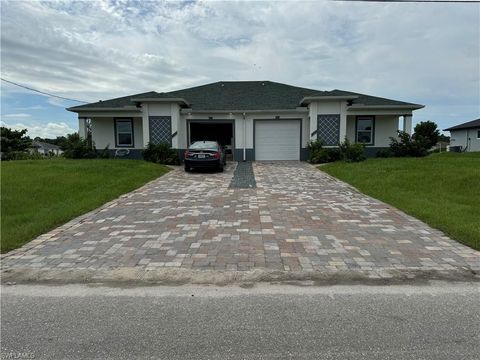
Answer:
(277, 140)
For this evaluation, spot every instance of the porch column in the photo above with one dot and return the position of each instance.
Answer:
(312, 114)
(343, 122)
(145, 125)
(82, 127)
(407, 124)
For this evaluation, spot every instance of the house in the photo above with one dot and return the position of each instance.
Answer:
(465, 137)
(44, 148)
(258, 120)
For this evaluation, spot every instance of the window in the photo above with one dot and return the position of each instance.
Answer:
(124, 132)
(478, 134)
(365, 126)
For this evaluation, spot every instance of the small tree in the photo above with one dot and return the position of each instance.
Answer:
(13, 141)
(77, 148)
(407, 145)
(427, 132)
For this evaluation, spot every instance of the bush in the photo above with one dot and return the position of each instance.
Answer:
(407, 145)
(426, 131)
(314, 147)
(326, 155)
(320, 155)
(104, 154)
(384, 153)
(78, 148)
(161, 154)
(352, 152)
(25, 155)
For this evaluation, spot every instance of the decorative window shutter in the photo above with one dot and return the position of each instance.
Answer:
(328, 129)
(160, 129)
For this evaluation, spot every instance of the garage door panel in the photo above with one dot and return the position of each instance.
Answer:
(277, 140)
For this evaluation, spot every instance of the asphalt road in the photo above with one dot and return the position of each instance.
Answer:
(265, 322)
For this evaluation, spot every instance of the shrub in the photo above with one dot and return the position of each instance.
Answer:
(352, 152)
(407, 145)
(326, 155)
(384, 153)
(104, 154)
(161, 153)
(320, 155)
(314, 148)
(78, 148)
(426, 131)
(25, 155)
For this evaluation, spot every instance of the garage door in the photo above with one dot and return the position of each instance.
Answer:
(277, 140)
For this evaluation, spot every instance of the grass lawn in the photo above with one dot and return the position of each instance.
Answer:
(39, 195)
(442, 190)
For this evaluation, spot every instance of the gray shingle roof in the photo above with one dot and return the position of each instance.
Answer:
(243, 95)
(467, 125)
(44, 145)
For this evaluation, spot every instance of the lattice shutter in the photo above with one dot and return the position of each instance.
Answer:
(328, 129)
(160, 129)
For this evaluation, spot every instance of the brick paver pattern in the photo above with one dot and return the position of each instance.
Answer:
(296, 219)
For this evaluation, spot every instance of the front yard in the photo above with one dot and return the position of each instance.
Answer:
(443, 190)
(38, 195)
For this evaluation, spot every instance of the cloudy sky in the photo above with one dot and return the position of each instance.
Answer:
(420, 52)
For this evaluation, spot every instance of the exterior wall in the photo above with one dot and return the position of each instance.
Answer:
(103, 133)
(162, 109)
(460, 138)
(244, 128)
(316, 108)
(386, 126)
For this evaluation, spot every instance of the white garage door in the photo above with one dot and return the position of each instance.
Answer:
(277, 140)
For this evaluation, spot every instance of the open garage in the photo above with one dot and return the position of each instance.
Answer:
(220, 131)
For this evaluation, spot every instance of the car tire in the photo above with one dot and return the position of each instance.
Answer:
(220, 168)
(187, 169)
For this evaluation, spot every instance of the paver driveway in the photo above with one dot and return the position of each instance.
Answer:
(296, 219)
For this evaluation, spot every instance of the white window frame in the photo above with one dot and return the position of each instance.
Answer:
(117, 133)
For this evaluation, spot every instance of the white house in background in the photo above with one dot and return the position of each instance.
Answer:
(258, 120)
(45, 148)
(466, 136)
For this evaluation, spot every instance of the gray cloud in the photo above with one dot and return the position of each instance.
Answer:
(426, 53)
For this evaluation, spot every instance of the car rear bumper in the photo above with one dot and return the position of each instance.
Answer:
(202, 163)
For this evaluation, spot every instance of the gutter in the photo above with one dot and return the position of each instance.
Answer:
(130, 108)
(244, 138)
(366, 107)
(193, 111)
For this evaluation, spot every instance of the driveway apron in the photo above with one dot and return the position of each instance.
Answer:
(285, 216)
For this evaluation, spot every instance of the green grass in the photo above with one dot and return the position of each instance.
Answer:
(443, 190)
(39, 195)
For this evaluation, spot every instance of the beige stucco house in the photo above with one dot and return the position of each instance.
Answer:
(256, 120)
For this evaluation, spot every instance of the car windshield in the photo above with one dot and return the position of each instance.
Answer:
(203, 145)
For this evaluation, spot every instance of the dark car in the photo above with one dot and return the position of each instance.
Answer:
(205, 154)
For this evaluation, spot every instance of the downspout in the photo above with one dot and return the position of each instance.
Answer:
(468, 141)
(244, 138)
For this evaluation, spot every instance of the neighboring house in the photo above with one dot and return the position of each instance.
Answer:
(258, 120)
(45, 148)
(466, 135)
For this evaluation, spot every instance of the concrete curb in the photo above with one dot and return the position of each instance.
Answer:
(140, 276)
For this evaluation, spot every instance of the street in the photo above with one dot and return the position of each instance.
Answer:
(436, 321)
